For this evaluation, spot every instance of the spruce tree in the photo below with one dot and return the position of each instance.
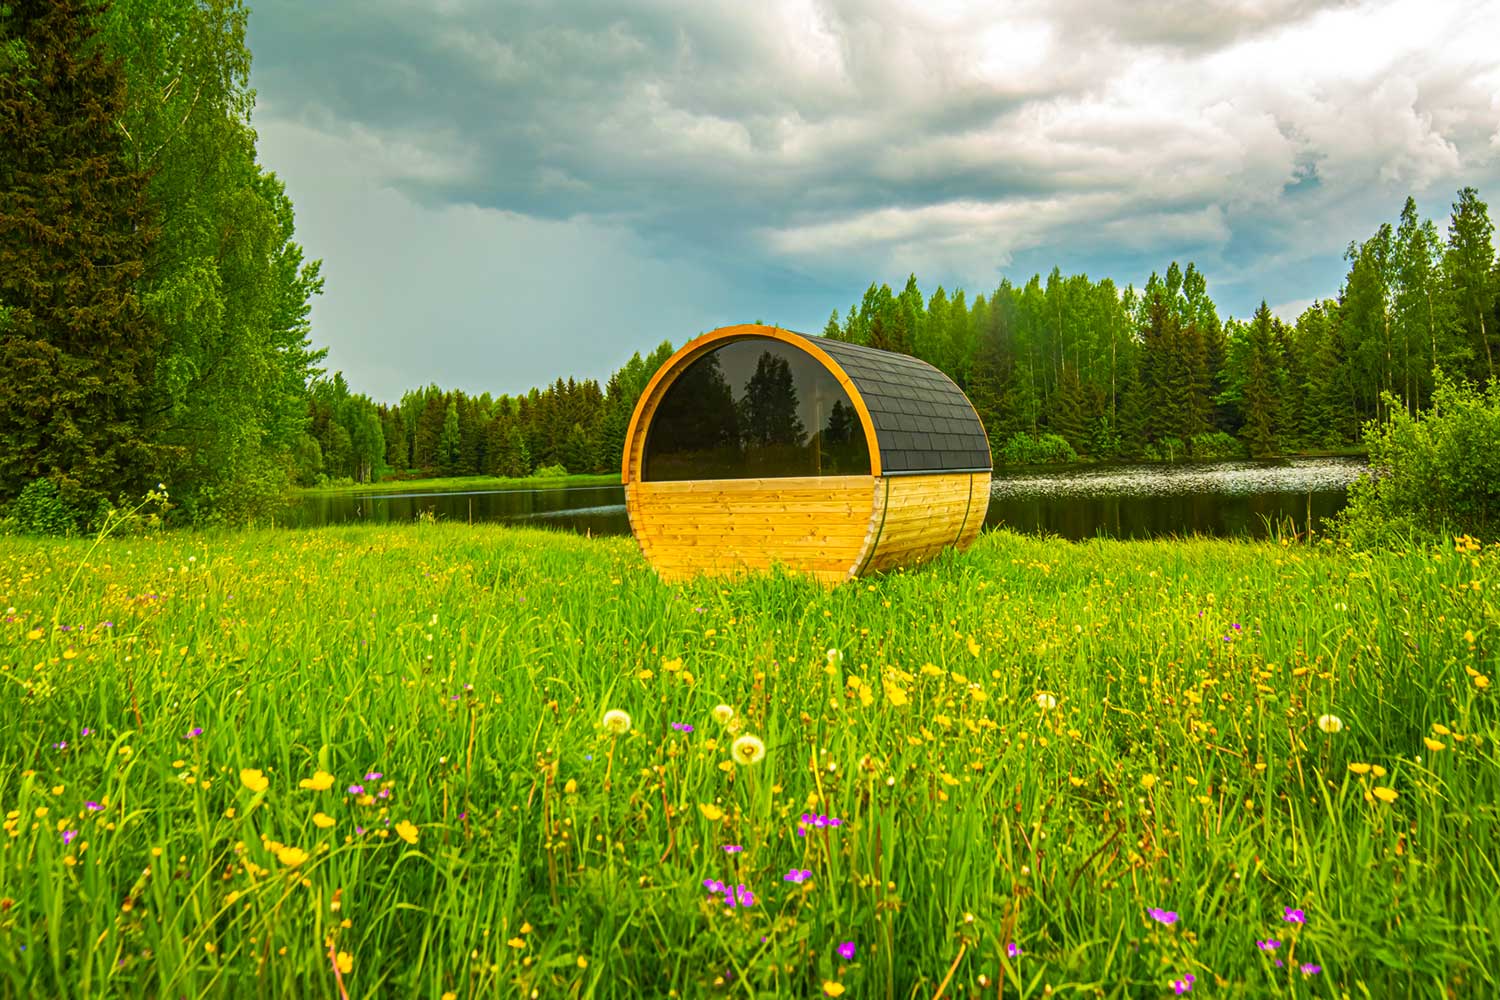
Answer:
(77, 350)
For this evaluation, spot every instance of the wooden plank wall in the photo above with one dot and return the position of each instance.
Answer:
(924, 515)
(820, 525)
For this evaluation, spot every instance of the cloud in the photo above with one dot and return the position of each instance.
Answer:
(811, 145)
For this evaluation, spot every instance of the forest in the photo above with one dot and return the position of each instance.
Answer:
(176, 346)
(1059, 369)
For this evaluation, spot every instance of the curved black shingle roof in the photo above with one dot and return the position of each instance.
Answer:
(923, 422)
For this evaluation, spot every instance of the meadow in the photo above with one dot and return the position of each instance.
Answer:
(456, 761)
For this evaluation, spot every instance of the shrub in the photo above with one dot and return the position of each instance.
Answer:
(1217, 445)
(1024, 449)
(550, 471)
(1166, 450)
(1433, 474)
(41, 509)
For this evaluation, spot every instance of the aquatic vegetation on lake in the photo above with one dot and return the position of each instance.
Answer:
(453, 761)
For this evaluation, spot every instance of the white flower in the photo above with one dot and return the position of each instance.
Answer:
(722, 714)
(1330, 723)
(748, 749)
(1046, 701)
(616, 721)
(835, 658)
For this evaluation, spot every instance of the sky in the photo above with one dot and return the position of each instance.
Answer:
(503, 192)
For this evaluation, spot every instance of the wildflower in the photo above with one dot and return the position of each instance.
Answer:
(374, 776)
(711, 812)
(739, 894)
(290, 856)
(253, 779)
(67, 836)
(321, 781)
(345, 962)
(1385, 794)
(748, 750)
(86, 731)
(193, 733)
(1432, 744)
(832, 989)
(732, 848)
(1148, 781)
(1309, 969)
(356, 789)
(846, 951)
(798, 875)
(1013, 950)
(1330, 724)
(92, 806)
(1269, 945)
(713, 885)
(835, 659)
(1183, 985)
(407, 831)
(682, 727)
(1167, 917)
(722, 714)
(1359, 768)
(1292, 916)
(1046, 701)
(616, 722)
(570, 787)
(322, 820)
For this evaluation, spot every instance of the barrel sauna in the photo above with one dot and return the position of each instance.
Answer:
(755, 446)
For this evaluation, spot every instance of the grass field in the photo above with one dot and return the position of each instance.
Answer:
(373, 761)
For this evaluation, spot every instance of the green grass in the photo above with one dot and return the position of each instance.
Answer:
(455, 483)
(1182, 768)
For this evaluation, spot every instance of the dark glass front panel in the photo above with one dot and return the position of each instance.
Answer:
(752, 409)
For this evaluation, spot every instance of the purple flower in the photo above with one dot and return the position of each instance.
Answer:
(846, 951)
(374, 776)
(86, 731)
(713, 885)
(1309, 969)
(1268, 945)
(356, 789)
(1292, 916)
(193, 733)
(1167, 917)
(733, 848)
(1013, 950)
(92, 806)
(1235, 626)
(1183, 985)
(797, 875)
(682, 727)
(68, 836)
(359, 830)
(739, 893)
(818, 822)
(63, 745)
(384, 793)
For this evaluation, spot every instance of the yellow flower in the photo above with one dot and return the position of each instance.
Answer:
(253, 779)
(1075, 782)
(1377, 770)
(570, 787)
(35, 633)
(894, 693)
(928, 670)
(517, 942)
(1148, 781)
(645, 675)
(749, 749)
(346, 962)
(1441, 729)
(1432, 744)
(291, 856)
(323, 821)
(319, 782)
(1360, 768)
(1481, 681)
(722, 714)
(407, 831)
(832, 989)
(616, 722)
(1385, 794)
(711, 812)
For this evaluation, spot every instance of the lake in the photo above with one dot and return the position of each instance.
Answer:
(1227, 499)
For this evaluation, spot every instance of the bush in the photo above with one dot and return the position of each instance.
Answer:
(550, 472)
(1217, 445)
(1166, 450)
(41, 509)
(1024, 449)
(1437, 473)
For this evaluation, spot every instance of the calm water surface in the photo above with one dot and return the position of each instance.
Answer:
(1123, 501)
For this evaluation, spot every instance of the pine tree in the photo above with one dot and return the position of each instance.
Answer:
(450, 441)
(1472, 275)
(77, 350)
(1260, 383)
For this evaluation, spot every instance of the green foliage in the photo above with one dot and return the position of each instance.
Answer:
(1217, 445)
(550, 471)
(1041, 449)
(1432, 474)
(42, 510)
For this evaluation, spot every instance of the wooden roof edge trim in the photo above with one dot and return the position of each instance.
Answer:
(689, 352)
(966, 470)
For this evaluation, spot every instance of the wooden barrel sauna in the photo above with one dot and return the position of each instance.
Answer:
(755, 446)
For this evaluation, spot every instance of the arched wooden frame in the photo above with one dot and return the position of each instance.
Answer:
(656, 389)
(833, 527)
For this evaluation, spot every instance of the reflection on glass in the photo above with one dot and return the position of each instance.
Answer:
(744, 411)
